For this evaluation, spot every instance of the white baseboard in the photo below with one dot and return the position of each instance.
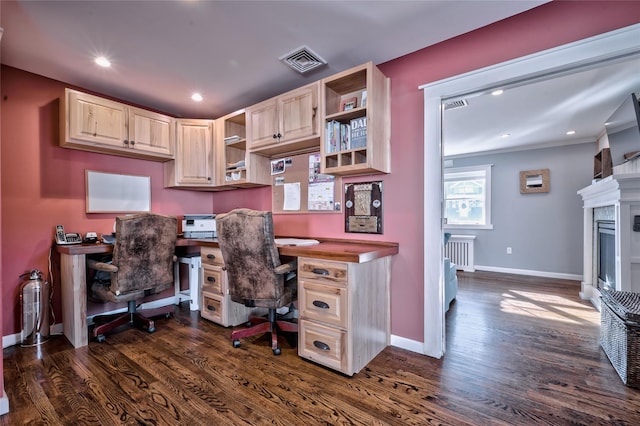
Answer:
(57, 329)
(544, 274)
(408, 344)
(4, 402)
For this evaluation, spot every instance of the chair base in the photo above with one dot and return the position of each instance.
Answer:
(261, 325)
(133, 317)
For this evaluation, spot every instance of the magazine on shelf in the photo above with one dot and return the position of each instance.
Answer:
(358, 132)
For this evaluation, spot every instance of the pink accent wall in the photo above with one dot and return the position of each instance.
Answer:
(43, 184)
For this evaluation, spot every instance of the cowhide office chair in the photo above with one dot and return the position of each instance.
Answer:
(142, 264)
(255, 274)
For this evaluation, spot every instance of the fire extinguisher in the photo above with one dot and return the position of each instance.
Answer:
(34, 300)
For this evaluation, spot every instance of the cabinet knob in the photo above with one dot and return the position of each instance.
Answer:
(211, 256)
(211, 279)
(279, 135)
(132, 143)
(320, 271)
(275, 136)
(126, 142)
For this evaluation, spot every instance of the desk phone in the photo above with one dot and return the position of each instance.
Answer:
(64, 238)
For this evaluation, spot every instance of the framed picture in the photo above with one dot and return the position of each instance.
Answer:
(348, 104)
(534, 181)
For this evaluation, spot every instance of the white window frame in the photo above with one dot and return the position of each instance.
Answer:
(486, 168)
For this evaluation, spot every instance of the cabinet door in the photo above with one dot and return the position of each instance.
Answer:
(151, 132)
(298, 111)
(262, 123)
(95, 120)
(194, 148)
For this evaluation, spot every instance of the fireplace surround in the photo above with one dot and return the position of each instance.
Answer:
(610, 205)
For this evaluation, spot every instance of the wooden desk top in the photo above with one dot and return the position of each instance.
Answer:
(356, 251)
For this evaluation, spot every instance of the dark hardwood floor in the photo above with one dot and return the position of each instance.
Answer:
(520, 351)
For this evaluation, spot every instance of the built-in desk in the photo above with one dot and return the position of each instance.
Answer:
(361, 270)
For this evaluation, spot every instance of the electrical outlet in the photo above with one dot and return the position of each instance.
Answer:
(508, 250)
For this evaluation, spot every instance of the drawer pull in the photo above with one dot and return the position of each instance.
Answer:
(321, 345)
(211, 308)
(211, 256)
(320, 271)
(320, 304)
(211, 279)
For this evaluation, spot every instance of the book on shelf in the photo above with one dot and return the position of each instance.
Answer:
(333, 136)
(345, 137)
(363, 102)
(358, 132)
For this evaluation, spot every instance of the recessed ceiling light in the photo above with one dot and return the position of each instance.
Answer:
(505, 135)
(103, 62)
(571, 132)
(197, 97)
(497, 92)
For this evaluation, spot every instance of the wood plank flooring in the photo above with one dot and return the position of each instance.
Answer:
(520, 351)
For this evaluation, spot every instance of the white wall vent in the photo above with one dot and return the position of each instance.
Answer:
(460, 103)
(303, 59)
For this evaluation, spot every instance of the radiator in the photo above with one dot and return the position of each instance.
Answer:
(460, 250)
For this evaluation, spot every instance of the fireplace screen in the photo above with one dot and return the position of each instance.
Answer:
(606, 253)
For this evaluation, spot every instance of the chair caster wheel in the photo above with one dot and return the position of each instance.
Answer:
(151, 330)
(167, 315)
(277, 351)
(236, 343)
(100, 338)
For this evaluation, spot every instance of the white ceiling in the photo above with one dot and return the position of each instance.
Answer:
(229, 51)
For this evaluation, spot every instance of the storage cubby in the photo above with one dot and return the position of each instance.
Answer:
(234, 159)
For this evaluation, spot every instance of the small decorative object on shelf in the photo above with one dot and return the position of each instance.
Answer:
(349, 104)
(363, 102)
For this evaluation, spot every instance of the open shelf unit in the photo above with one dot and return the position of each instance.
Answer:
(239, 168)
(350, 157)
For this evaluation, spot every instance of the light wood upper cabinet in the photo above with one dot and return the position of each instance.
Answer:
(92, 123)
(193, 165)
(285, 124)
(369, 88)
(151, 132)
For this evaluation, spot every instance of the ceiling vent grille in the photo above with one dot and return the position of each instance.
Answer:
(303, 59)
(460, 103)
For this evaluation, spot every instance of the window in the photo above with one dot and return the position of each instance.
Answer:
(467, 197)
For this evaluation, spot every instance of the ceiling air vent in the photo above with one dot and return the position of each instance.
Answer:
(303, 59)
(460, 103)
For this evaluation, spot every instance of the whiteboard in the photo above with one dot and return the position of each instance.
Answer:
(109, 192)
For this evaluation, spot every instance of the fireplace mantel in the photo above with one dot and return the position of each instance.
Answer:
(622, 192)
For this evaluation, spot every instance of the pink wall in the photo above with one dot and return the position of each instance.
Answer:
(43, 185)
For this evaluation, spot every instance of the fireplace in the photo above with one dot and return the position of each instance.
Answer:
(605, 253)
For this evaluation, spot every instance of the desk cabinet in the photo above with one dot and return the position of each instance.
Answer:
(216, 304)
(344, 312)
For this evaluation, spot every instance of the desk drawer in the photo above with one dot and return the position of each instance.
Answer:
(324, 345)
(212, 280)
(212, 307)
(323, 303)
(211, 256)
(323, 270)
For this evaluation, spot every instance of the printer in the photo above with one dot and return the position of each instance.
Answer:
(199, 226)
